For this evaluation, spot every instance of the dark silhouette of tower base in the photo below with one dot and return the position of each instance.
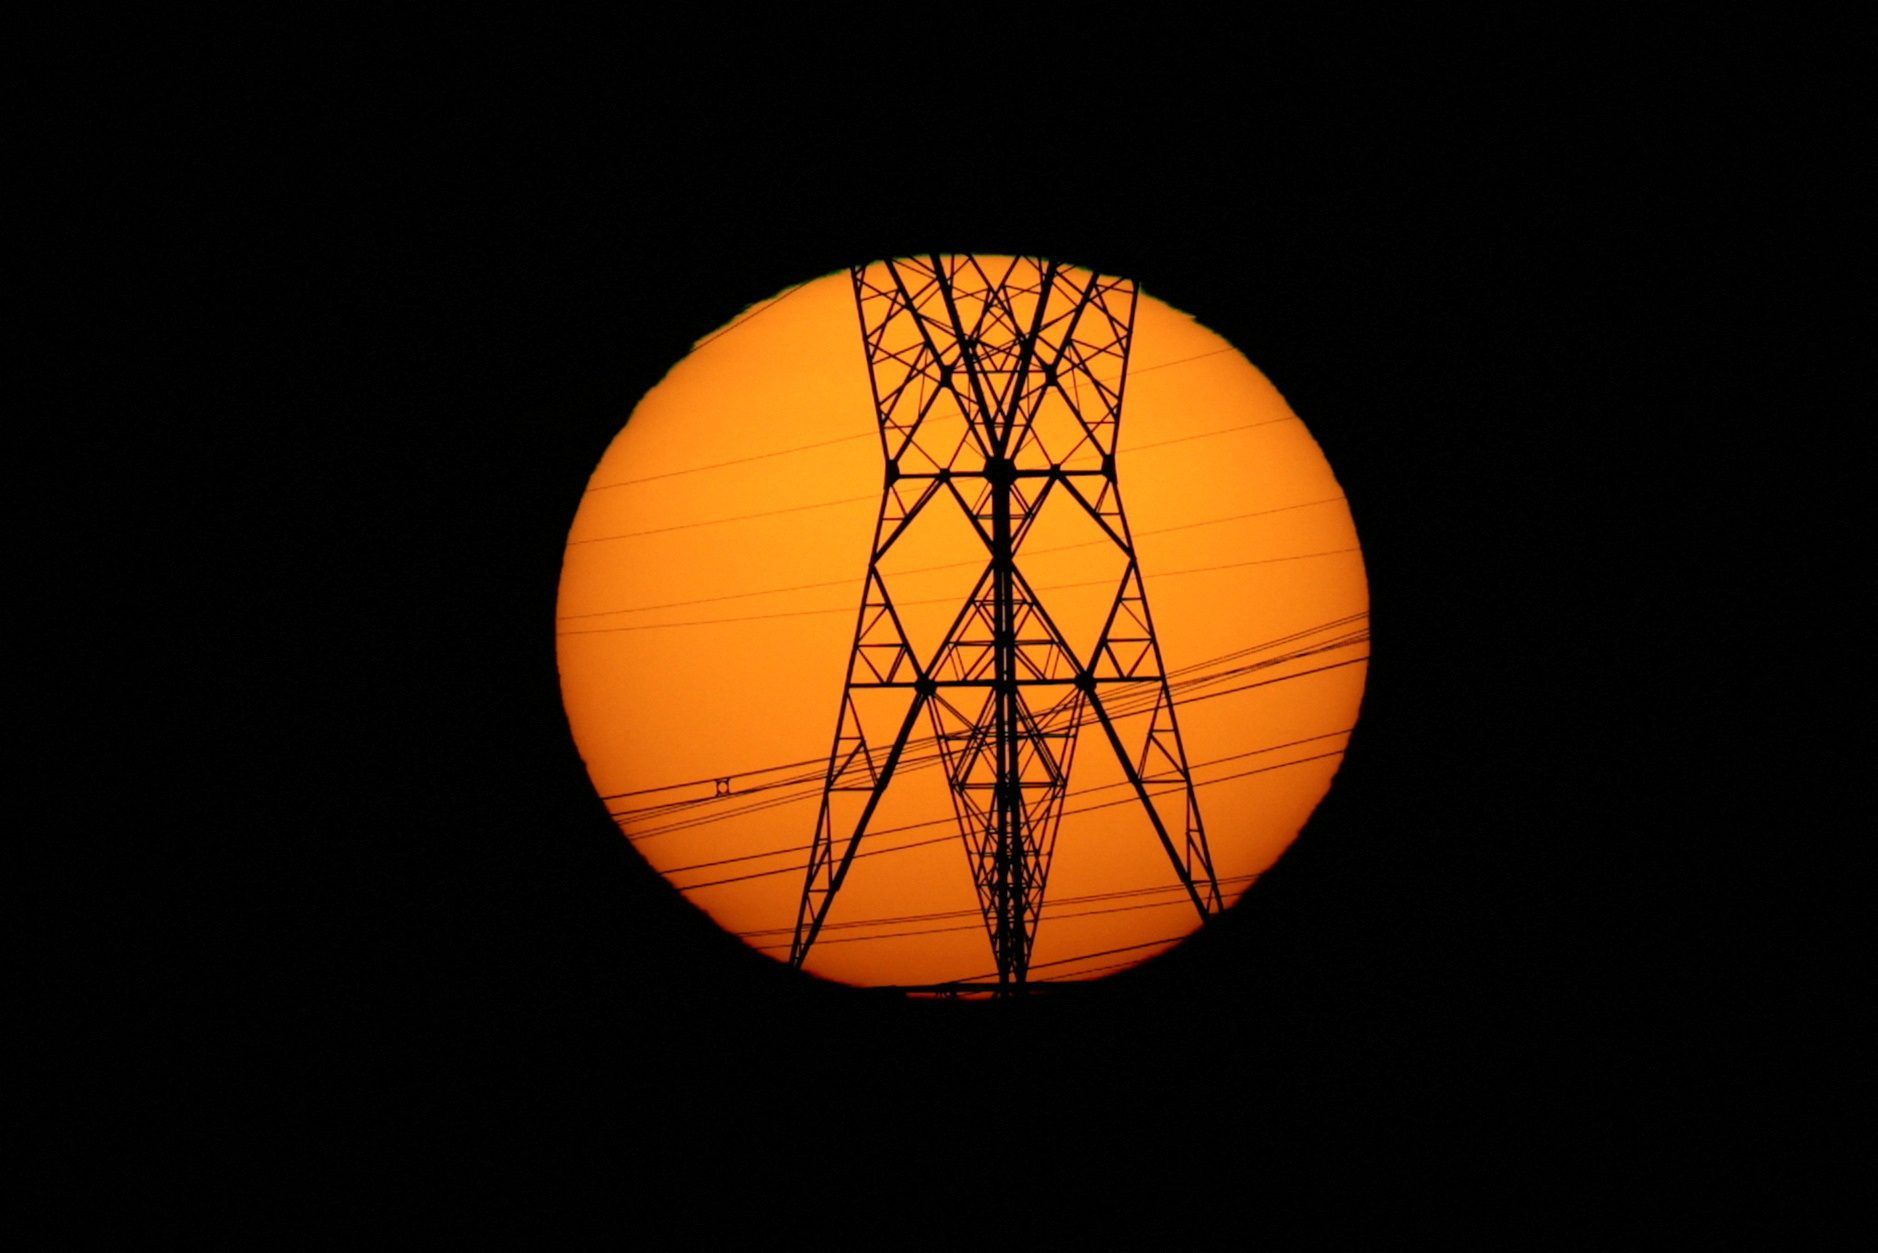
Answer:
(998, 387)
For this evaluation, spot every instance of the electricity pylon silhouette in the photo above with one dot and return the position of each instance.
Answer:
(998, 385)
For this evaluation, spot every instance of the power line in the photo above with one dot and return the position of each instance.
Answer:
(846, 500)
(1101, 787)
(1149, 369)
(1283, 765)
(947, 838)
(1231, 517)
(924, 756)
(950, 565)
(766, 591)
(1183, 902)
(843, 439)
(697, 622)
(748, 317)
(1335, 665)
(931, 758)
(1065, 961)
(734, 461)
(1290, 638)
(918, 761)
(734, 774)
(938, 600)
(741, 517)
(1077, 979)
(1169, 574)
(1050, 909)
(1227, 430)
(1183, 679)
(1087, 898)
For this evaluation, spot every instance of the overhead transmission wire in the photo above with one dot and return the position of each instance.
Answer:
(949, 821)
(1065, 961)
(1045, 912)
(949, 565)
(1149, 369)
(1188, 669)
(734, 461)
(808, 786)
(849, 500)
(751, 316)
(741, 517)
(1059, 911)
(940, 600)
(860, 435)
(1087, 898)
(1180, 679)
(953, 834)
(1083, 791)
(922, 759)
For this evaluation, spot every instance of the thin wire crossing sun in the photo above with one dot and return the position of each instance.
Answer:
(866, 655)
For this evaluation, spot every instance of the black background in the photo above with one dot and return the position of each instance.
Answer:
(372, 953)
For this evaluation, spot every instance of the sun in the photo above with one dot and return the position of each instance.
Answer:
(717, 574)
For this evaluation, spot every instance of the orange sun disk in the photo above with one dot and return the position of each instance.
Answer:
(707, 606)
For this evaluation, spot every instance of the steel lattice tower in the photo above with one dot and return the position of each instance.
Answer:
(997, 383)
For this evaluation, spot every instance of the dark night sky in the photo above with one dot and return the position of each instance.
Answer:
(391, 954)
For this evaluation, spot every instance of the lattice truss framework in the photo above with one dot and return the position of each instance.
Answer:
(997, 384)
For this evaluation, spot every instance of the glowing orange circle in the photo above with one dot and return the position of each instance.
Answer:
(708, 602)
